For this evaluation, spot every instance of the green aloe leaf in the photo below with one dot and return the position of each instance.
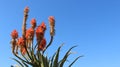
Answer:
(61, 63)
(57, 57)
(47, 61)
(25, 64)
(44, 60)
(75, 61)
(51, 40)
(51, 61)
(27, 59)
(18, 62)
(22, 59)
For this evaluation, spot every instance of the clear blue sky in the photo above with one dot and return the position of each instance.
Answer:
(93, 25)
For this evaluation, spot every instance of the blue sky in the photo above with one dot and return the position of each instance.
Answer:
(93, 25)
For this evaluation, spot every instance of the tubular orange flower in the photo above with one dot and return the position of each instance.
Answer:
(21, 41)
(14, 34)
(33, 23)
(23, 50)
(40, 30)
(39, 33)
(26, 10)
(29, 33)
(43, 26)
(42, 44)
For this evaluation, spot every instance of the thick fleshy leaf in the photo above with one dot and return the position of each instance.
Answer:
(26, 58)
(23, 60)
(52, 60)
(75, 61)
(57, 56)
(45, 61)
(61, 63)
(51, 40)
(18, 62)
(25, 64)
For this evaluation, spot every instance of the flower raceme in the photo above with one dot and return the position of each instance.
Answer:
(40, 30)
(14, 34)
(30, 33)
(21, 42)
(42, 45)
(52, 25)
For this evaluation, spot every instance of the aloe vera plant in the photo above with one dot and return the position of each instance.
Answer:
(28, 54)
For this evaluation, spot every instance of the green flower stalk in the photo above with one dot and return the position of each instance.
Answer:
(30, 54)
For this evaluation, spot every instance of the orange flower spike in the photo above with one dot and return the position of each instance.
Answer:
(39, 33)
(51, 20)
(43, 26)
(26, 10)
(52, 25)
(21, 41)
(42, 44)
(29, 33)
(33, 23)
(14, 34)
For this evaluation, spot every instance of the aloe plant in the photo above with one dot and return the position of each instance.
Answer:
(29, 54)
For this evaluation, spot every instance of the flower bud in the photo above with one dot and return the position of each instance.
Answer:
(33, 23)
(26, 10)
(52, 25)
(51, 20)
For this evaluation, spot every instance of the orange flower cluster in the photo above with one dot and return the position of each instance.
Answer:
(40, 30)
(30, 33)
(14, 34)
(21, 42)
(42, 44)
